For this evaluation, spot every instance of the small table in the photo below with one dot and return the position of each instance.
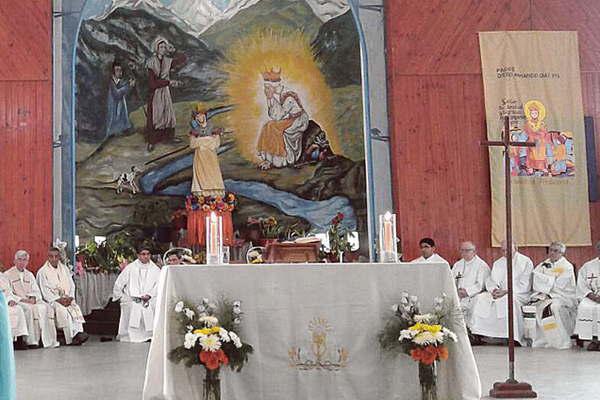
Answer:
(292, 252)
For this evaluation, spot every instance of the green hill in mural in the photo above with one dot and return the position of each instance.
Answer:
(266, 14)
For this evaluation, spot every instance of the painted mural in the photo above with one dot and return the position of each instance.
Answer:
(257, 98)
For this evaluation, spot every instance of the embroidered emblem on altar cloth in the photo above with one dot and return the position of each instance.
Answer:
(320, 356)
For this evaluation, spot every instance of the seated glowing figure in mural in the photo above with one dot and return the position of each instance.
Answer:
(280, 140)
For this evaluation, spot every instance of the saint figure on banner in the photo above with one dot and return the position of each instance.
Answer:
(535, 128)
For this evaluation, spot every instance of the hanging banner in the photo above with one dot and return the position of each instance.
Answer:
(533, 78)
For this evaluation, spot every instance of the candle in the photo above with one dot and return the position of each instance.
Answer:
(213, 234)
(387, 232)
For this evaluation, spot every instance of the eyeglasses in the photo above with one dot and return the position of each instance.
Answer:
(145, 253)
(465, 250)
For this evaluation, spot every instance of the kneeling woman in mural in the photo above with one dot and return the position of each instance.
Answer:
(205, 140)
(280, 140)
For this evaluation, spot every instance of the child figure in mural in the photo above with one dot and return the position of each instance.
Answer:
(160, 115)
(117, 115)
(205, 140)
(280, 140)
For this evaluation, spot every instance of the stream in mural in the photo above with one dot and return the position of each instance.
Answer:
(279, 78)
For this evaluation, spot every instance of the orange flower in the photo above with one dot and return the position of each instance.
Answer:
(205, 207)
(211, 359)
(425, 355)
(416, 354)
(442, 352)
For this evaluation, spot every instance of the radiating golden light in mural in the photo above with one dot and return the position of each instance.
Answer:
(261, 51)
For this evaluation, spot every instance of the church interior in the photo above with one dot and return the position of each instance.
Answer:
(299, 199)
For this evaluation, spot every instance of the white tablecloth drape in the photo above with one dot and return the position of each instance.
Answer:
(279, 302)
(93, 291)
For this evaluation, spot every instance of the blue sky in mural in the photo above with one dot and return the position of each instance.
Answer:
(96, 7)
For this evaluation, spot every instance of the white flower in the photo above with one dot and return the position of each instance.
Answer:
(204, 300)
(201, 308)
(438, 300)
(439, 337)
(224, 335)
(237, 321)
(210, 343)
(447, 332)
(404, 301)
(179, 307)
(423, 318)
(209, 320)
(189, 313)
(424, 338)
(395, 308)
(414, 299)
(407, 334)
(189, 328)
(237, 310)
(235, 339)
(189, 340)
(237, 303)
(211, 306)
(404, 295)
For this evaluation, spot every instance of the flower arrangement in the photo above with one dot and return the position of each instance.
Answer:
(269, 227)
(338, 239)
(108, 257)
(211, 203)
(422, 336)
(209, 338)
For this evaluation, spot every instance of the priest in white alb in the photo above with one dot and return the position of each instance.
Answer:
(137, 288)
(39, 315)
(428, 254)
(16, 317)
(470, 274)
(490, 311)
(587, 325)
(554, 299)
(58, 289)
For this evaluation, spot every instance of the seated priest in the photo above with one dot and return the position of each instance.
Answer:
(490, 311)
(587, 325)
(428, 254)
(554, 299)
(16, 317)
(470, 274)
(137, 288)
(58, 289)
(39, 315)
(7, 361)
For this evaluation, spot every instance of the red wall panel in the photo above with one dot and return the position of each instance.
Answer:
(437, 118)
(25, 129)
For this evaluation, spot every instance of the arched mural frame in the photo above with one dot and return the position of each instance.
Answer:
(68, 18)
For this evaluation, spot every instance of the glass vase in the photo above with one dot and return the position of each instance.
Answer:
(212, 385)
(428, 380)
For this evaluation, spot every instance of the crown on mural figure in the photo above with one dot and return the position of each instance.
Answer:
(274, 75)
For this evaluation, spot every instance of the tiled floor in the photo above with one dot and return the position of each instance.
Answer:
(115, 370)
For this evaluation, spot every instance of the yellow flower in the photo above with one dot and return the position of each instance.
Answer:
(425, 328)
(207, 331)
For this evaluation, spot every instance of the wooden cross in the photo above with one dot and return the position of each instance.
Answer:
(507, 143)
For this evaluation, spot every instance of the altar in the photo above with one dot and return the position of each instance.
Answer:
(284, 307)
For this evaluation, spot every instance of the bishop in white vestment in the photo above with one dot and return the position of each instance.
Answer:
(554, 299)
(587, 325)
(490, 311)
(39, 315)
(16, 317)
(428, 254)
(470, 274)
(137, 288)
(58, 289)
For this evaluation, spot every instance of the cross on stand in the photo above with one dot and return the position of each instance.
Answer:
(458, 278)
(511, 388)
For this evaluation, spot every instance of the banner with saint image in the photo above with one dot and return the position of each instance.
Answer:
(533, 78)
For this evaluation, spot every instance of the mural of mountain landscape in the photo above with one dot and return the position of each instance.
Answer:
(221, 50)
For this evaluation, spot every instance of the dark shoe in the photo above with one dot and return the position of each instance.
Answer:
(593, 346)
(150, 147)
(20, 344)
(475, 340)
(80, 339)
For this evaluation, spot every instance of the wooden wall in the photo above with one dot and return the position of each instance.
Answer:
(437, 116)
(25, 129)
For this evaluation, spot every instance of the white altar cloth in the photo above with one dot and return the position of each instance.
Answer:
(279, 302)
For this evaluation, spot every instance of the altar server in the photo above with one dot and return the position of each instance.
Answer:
(587, 324)
(554, 299)
(428, 254)
(58, 289)
(490, 311)
(137, 288)
(470, 274)
(39, 315)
